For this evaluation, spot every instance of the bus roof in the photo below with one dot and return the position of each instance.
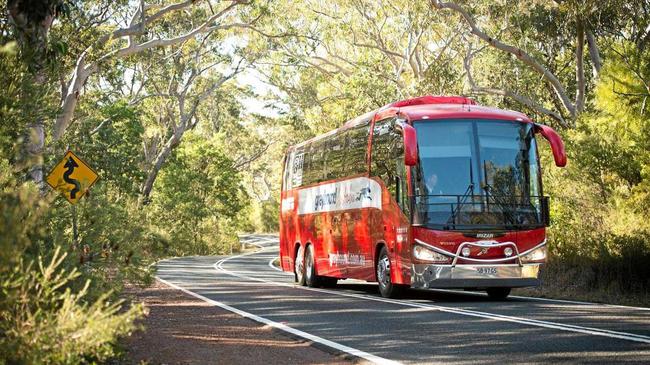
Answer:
(454, 111)
(430, 108)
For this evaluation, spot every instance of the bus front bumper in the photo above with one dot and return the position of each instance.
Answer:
(426, 276)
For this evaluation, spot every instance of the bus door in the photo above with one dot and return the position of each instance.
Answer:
(387, 164)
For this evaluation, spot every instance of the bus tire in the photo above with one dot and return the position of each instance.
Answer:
(299, 266)
(382, 269)
(498, 293)
(311, 279)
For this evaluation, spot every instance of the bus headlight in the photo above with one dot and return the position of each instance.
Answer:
(425, 254)
(538, 254)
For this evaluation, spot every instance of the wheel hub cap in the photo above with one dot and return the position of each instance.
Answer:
(383, 271)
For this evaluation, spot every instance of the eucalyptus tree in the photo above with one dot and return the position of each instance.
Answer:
(538, 53)
(342, 58)
(110, 31)
(175, 92)
(32, 21)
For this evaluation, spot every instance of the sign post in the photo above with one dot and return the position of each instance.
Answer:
(72, 177)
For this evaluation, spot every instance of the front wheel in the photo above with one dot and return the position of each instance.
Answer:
(386, 287)
(498, 293)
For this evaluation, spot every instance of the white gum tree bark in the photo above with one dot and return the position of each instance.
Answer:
(182, 106)
(572, 107)
(141, 20)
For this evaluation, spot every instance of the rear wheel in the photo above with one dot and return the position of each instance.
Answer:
(299, 266)
(386, 287)
(498, 293)
(311, 279)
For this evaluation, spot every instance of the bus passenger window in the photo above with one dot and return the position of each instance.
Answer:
(357, 147)
(387, 150)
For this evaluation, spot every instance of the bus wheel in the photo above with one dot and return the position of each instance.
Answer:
(299, 266)
(311, 279)
(386, 288)
(498, 293)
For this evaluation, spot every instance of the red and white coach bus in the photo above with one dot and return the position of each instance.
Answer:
(431, 192)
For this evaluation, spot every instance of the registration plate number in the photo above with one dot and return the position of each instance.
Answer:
(486, 270)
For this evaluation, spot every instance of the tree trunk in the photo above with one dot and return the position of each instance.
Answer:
(172, 142)
(594, 53)
(34, 146)
(32, 21)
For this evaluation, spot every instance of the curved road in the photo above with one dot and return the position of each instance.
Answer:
(425, 327)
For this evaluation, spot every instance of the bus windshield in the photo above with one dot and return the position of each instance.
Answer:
(477, 174)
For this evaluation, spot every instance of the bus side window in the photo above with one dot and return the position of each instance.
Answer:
(297, 159)
(318, 159)
(335, 162)
(356, 150)
(386, 151)
(312, 165)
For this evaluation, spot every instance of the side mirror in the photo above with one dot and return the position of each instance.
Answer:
(410, 144)
(554, 139)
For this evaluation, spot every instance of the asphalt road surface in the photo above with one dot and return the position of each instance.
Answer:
(427, 326)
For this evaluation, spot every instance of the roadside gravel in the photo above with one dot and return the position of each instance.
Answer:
(181, 329)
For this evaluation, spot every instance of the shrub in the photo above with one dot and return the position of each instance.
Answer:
(44, 322)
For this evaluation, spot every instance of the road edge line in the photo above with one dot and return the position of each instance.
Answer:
(282, 327)
(493, 316)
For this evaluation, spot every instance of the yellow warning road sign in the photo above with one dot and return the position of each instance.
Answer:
(72, 177)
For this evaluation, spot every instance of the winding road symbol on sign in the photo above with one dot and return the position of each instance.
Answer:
(70, 165)
(72, 177)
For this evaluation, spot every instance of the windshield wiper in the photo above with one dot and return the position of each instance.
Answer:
(468, 192)
(488, 193)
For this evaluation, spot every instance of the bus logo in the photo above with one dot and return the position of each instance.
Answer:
(356, 193)
(485, 235)
(326, 199)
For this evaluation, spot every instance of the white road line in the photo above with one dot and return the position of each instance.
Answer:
(467, 312)
(547, 300)
(275, 267)
(605, 305)
(283, 327)
(581, 303)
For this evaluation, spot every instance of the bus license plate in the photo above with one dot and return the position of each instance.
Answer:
(486, 270)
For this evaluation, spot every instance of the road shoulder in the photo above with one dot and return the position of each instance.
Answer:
(181, 329)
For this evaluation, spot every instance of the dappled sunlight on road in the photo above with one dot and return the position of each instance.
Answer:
(424, 325)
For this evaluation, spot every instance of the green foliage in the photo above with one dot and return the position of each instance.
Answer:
(17, 103)
(113, 136)
(50, 312)
(601, 199)
(19, 216)
(265, 216)
(43, 321)
(198, 198)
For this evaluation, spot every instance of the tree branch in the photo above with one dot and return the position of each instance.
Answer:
(594, 53)
(507, 93)
(580, 68)
(523, 56)
(82, 72)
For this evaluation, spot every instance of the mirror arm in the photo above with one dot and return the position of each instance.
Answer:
(410, 143)
(554, 139)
